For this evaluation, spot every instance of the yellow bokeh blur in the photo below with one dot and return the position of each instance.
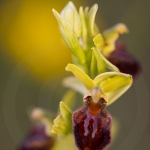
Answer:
(30, 34)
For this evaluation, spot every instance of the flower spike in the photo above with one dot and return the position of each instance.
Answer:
(69, 37)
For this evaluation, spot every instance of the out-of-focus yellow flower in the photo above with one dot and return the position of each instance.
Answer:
(29, 33)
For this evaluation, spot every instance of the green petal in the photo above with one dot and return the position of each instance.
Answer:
(86, 11)
(103, 63)
(63, 124)
(104, 76)
(65, 112)
(114, 95)
(111, 35)
(69, 37)
(108, 64)
(99, 41)
(116, 82)
(84, 27)
(113, 84)
(93, 68)
(100, 63)
(71, 15)
(110, 47)
(81, 76)
(59, 126)
(75, 84)
(59, 120)
(92, 14)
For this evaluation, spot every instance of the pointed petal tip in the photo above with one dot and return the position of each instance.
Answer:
(53, 10)
(67, 67)
(70, 3)
(95, 6)
(56, 14)
(122, 28)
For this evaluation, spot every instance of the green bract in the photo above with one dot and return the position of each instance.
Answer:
(85, 79)
(71, 16)
(62, 123)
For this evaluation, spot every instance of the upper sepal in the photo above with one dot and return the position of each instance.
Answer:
(71, 16)
(73, 83)
(91, 20)
(81, 76)
(70, 37)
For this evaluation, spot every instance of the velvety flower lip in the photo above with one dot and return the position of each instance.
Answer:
(92, 123)
(91, 132)
(122, 59)
(37, 139)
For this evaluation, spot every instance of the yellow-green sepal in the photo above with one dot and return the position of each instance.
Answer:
(65, 112)
(100, 62)
(70, 37)
(62, 123)
(74, 84)
(91, 20)
(113, 84)
(103, 63)
(71, 16)
(99, 41)
(81, 76)
(93, 67)
(83, 27)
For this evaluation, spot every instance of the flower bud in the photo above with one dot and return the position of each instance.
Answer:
(71, 16)
(37, 139)
(123, 60)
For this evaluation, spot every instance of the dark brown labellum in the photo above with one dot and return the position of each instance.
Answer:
(91, 132)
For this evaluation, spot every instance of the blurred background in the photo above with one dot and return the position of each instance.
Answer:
(33, 57)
